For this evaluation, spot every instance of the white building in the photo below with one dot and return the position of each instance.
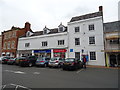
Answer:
(86, 37)
(49, 42)
(119, 10)
(82, 36)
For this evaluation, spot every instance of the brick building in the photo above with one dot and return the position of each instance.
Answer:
(10, 39)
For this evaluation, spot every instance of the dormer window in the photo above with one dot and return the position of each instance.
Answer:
(61, 28)
(28, 33)
(46, 30)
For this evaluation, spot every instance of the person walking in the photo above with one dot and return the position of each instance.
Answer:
(84, 62)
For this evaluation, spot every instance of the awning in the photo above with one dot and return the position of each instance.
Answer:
(113, 37)
(110, 50)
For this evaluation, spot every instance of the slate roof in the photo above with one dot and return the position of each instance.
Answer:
(87, 16)
(112, 26)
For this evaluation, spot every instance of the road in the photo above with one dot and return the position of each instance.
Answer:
(37, 77)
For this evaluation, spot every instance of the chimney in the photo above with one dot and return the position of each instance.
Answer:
(100, 8)
(27, 26)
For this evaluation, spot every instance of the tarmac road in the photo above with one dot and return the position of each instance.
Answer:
(37, 77)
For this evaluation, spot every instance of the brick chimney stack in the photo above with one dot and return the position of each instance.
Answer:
(27, 26)
(100, 8)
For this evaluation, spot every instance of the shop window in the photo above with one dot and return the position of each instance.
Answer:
(92, 55)
(60, 42)
(91, 40)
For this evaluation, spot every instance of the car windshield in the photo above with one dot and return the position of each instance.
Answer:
(41, 59)
(70, 59)
(53, 59)
(21, 58)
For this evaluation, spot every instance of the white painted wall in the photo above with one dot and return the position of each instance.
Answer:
(36, 41)
(119, 10)
(84, 39)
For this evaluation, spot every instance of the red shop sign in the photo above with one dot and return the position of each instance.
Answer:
(59, 50)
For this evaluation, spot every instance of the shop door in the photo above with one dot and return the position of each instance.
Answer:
(77, 55)
(113, 60)
(118, 57)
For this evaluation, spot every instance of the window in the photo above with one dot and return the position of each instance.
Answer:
(77, 41)
(91, 40)
(44, 43)
(45, 31)
(8, 45)
(14, 34)
(5, 45)
(91, 27)
(77, 29)
(61, 29)
(27, 44)
(60, 42)
(13, 44)
(115, 41)
(92, 55)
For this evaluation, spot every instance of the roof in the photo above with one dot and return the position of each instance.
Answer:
(52, 31)
(112, 26)
(87, 16)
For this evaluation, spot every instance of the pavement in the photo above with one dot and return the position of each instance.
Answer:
(93, 66)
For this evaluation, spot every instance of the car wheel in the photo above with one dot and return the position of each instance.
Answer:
(30, 64)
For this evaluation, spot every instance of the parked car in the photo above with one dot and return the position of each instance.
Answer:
(42, 61)
(0, 59)
(56, 62)
(5, 59)
(72, 64)
(28, 61)
(17, 60)
(11, 60)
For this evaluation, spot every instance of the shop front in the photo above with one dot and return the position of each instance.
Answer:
(43, 53)
(59, 53)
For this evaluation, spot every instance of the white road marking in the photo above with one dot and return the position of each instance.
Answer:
(19, 86)
(3, 87)
(36, 73)
(80, 70)
(19, 72)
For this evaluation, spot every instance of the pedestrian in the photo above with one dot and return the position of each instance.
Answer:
(84, 62)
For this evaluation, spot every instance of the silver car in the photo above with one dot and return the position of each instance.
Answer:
(56, 62)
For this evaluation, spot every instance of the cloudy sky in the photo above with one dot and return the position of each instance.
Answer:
(51, 12)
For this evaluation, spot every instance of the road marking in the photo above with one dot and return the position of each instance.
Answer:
(80, 70)
(19, 86)
(36, 73)
(19, 72)
(3, 87)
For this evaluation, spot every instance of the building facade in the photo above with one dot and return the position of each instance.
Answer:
(112, 43)
(86, 38)
(46, 43)
(119, 10)
(0, 44)
(10, 39)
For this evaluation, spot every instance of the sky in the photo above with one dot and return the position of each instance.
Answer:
(51, 13)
